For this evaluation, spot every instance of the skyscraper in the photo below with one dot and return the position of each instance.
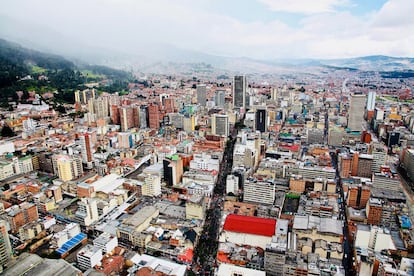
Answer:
(239, 92)
(153, 116)
(356, 111)
(86, 147)
(126, 116)
(219, 98)
(5, 246)
(371, 101)
(261, 119)
(220, 125)
(201, 94)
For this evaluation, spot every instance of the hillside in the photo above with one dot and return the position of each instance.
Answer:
(23, 69)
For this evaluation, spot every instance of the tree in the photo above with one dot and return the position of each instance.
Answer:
(7, 131)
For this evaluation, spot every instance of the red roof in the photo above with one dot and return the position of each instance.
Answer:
(250, 225)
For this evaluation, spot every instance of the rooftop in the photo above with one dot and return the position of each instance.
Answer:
(250, 225)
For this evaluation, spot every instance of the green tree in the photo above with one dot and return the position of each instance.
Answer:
(7, 131)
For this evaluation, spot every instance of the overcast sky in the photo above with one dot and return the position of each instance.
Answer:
(253, 28)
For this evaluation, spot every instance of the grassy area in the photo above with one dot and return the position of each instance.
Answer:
(92, 76)
(37, 69)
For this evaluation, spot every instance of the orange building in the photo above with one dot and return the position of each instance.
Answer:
(345, 166)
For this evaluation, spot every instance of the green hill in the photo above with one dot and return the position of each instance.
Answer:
(23, 69)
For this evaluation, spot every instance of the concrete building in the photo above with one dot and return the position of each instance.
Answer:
(67, 167)
(232, 184)
(5, 246)
(88, 257)
(106, 242)
(206, 162)
(408, 162)
(261, 120)
(126, 117)
(220, 125)
(259, 191)
(6, 169)
(87, 212)
(85, 141)
(19, 215)
(201, 94)
(32, 264)
(356, 111)
(219, 98)
(239, 92)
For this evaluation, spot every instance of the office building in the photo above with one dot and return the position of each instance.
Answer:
(67, 167)
(173, 169)
(201, 94)
(87, 212)
(114, 112)
(239, 92)
(126, 117)
(261, 120)
(85, 141)
(220, 125)
(379, 154)
(5, 246)
(356, 112)
(371, 101)
(220, 98)
(259, 192)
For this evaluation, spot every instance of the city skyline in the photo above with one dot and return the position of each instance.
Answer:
(262, 29)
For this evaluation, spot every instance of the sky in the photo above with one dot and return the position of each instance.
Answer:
(261, 29)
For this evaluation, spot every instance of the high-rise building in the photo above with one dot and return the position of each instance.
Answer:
(124, 140)
(239, 92)
(143, 117)
(220, 125)
(371, 101)
(67, 167)
(261, 120)
(379, 154)
(115, 114)
(22, 214)
(84, 96)
(201, 94)
(408, 162)
(173, 170)
(126, 116)
(85, 142)
(345, 164)
(356, 112)
(169, 105)
(100, 107)
(374, 211)
(5, 246)
(220, 98)
(365, 162)
(154, 116)
(87, 212)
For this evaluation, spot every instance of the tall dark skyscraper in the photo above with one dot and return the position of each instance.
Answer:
(261, 120)
(239, 92)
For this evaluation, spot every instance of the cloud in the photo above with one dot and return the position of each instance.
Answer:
(325, 31)
(304, 6)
